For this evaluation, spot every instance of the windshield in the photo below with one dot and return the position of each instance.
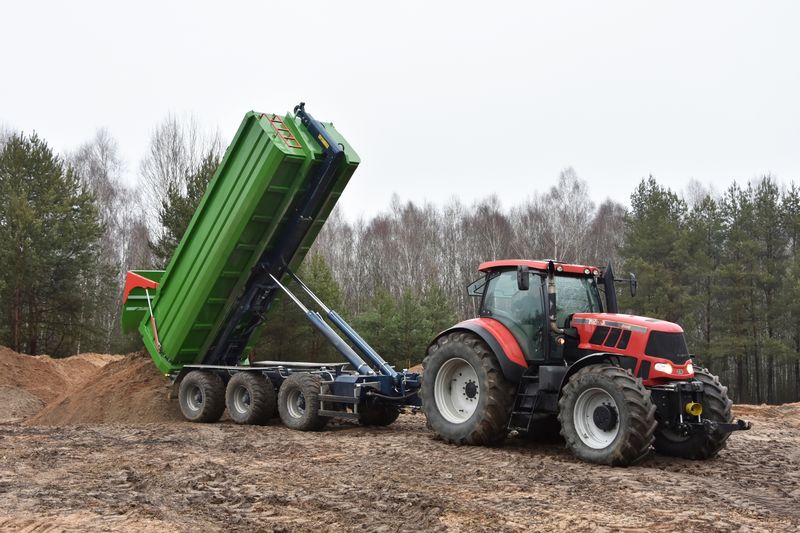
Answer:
(576, 295)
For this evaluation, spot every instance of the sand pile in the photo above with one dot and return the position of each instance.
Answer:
(128, 390)
(27, 382)
(45, 377)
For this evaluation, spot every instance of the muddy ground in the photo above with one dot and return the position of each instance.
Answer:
(177, 476)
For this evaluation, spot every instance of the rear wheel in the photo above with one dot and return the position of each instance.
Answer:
(464, 395)
(298, 402)
(202, 396)
(607, 416)
(700, 445)
(250, 398)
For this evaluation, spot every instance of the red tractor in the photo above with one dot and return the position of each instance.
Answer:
(546, 351)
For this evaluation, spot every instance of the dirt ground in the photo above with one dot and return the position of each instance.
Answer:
(176, 476)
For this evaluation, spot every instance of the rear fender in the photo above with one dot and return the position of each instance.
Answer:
(500, 341)
(622, 361)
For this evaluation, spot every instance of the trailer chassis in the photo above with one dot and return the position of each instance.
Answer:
(344, 392)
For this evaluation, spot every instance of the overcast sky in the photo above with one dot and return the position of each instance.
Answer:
(438, 98)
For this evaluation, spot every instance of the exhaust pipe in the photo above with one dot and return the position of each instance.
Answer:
(552, 314)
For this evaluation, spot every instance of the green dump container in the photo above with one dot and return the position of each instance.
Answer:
(261, 182)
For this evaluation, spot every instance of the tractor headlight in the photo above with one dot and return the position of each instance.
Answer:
(666, 368)
(689, 369)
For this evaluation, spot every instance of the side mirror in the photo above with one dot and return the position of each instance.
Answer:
(523, 279)
(634, 284)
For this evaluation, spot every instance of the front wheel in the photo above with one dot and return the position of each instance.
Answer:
(298, 402)
(464, 395)
(700, 445)
(607, 416)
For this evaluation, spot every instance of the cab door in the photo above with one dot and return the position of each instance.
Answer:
(522, 312)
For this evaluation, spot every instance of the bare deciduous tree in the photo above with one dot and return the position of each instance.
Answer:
(177, 147)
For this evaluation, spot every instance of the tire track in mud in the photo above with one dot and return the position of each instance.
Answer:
(197, 477)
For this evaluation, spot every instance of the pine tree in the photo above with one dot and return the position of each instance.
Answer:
(705, 228)
(657, 249)
(49, 254)
(178, 208)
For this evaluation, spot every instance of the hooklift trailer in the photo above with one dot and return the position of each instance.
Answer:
(273, 191)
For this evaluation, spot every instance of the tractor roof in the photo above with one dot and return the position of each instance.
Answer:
(537, 265)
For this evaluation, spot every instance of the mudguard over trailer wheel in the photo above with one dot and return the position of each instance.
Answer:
(464, 395)
(298, 402)
(700, 445)
(607, 416)
(202, 396)
(250, 398)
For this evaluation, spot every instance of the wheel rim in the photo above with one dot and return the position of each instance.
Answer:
(194, 398)
(456, 390)
(241, 400)
(296, 404)
(589, 404)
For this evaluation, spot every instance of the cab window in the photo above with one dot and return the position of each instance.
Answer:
(522, 312)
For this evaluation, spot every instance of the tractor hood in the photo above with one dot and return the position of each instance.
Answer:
(640, 324)
(629, 334)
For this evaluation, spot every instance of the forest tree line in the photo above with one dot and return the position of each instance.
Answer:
(725, 265)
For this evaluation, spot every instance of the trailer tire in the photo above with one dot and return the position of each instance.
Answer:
(464, 355)
(607, 415)
(250, 398)
(700, 445)
(298, 402)
(378, 415)
(202, 396)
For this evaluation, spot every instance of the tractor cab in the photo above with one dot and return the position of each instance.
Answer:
(559, 313)
(522, 305)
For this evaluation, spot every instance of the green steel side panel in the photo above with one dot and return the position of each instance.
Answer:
(238, 218)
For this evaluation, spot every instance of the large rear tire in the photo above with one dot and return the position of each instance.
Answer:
(298, 402)
(250, 398)
(464, 395)
(607, 416)
(202, 396)
(700, 445)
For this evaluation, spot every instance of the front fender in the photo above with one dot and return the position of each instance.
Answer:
(500, 341)
(622, 361)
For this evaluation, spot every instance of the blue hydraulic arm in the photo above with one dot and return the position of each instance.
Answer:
(337, 342)
(351, 334)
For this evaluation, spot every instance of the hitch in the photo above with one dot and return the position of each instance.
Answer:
(714, 428)
(722, 427)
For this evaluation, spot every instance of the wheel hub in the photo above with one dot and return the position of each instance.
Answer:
(596, 418)
(471, 390)
(456, 390)
(605, 417)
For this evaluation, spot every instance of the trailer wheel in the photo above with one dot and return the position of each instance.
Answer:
(250, 398)
(700, 445)
(298, 402)
(607, 416)
(202, 396)
(378, 415)
(464, 395)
